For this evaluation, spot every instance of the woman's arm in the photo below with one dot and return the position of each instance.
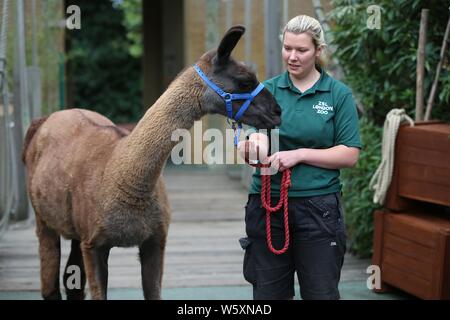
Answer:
(336, 157)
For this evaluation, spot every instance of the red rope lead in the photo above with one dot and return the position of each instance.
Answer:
(266, 202)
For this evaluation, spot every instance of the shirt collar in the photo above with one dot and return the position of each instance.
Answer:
(323, 84)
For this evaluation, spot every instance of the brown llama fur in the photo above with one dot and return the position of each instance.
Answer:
(101, 187)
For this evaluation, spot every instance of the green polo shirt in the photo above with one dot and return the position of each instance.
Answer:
(321, 117)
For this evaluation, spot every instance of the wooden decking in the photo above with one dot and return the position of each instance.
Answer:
(202, 250)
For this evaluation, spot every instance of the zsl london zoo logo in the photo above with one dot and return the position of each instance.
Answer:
(322, 108)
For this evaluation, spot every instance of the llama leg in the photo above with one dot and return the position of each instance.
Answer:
(151, 253)
(50, 256)
(74, 274)
(96, 265)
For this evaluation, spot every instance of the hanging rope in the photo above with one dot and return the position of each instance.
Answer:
(283, 202)
(266, 202)
(382, 178)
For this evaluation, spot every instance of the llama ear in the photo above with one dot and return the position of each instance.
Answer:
(229, 41)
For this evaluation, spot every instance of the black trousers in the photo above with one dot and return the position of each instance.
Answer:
(316, 249)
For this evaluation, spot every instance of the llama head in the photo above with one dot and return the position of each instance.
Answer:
(236, 78)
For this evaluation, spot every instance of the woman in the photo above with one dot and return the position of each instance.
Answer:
(318, 136)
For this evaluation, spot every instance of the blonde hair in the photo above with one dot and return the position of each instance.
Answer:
(302, 24)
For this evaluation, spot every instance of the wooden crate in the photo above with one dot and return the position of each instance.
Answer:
(413, 253)
(421, 168)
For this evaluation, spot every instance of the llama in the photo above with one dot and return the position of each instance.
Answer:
(101, 187)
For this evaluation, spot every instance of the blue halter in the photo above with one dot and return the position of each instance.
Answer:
(229, 97)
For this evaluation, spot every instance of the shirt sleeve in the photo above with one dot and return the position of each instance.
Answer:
(346, 123)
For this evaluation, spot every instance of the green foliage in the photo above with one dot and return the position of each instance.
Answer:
(132, 21)
(380, 67)
(105, 69)
(380, 64)
(358, 205)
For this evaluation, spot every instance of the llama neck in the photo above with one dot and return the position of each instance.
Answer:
(141, 156)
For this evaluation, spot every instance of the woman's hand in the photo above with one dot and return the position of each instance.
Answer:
(283, 160)
(256, 148)
(336, 157)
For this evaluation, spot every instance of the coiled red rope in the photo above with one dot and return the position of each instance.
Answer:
(283, 202)
(266, 202)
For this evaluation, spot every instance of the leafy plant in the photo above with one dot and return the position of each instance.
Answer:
(132, 21)
(380, 67)
(358, 205)
(105, 69)
(380, 64)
